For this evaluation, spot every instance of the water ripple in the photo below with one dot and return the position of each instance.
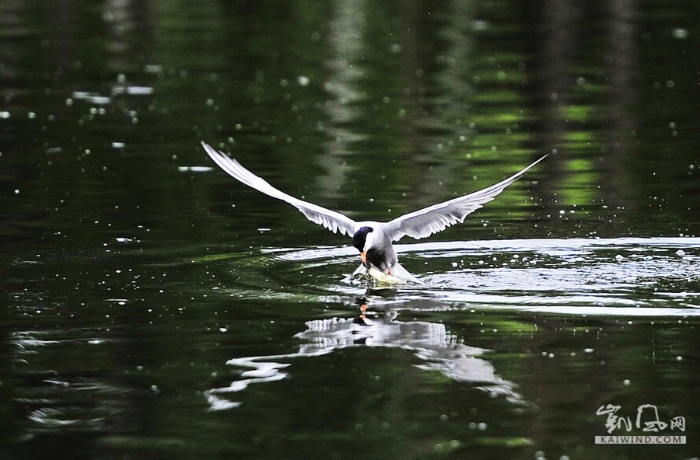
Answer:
(631, 276)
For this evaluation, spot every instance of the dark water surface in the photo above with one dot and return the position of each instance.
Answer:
(153, 308)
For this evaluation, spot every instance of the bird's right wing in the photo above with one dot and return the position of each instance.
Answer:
(333, 221)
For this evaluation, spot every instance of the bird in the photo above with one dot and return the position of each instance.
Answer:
(374, 240)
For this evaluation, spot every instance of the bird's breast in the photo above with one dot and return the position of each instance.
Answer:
(378, 258)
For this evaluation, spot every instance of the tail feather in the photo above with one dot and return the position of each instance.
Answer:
(400, 272)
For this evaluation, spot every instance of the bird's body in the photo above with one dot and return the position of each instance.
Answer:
(374, 239)
(376, 250)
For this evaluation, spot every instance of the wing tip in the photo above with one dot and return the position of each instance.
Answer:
(207, 147)
(211, 151)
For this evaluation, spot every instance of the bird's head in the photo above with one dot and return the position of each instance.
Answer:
(360, 238)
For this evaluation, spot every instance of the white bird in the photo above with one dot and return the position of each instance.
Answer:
(374, 239)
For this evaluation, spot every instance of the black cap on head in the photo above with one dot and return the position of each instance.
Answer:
(360, 236)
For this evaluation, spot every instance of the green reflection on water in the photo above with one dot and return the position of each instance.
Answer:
(128, 284)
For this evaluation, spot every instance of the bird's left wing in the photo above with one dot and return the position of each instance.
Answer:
(333, 221)
(435, 218)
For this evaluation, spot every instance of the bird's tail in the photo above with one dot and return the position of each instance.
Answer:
(398, 274)
(398, 271)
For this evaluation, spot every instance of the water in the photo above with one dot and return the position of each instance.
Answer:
(152, 307)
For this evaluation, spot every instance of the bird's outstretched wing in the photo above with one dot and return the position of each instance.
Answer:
(333, 221)
(436, 218)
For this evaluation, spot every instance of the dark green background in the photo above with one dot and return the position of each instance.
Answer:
(128, 280)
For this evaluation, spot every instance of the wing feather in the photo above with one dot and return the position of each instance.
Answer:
(333, 221)
(435, 218)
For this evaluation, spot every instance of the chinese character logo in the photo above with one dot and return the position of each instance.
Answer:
(647, 419)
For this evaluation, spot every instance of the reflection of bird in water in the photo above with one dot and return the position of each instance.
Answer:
(374, 239)
(431, 342)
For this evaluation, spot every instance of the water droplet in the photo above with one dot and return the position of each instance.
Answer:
(680, 33)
